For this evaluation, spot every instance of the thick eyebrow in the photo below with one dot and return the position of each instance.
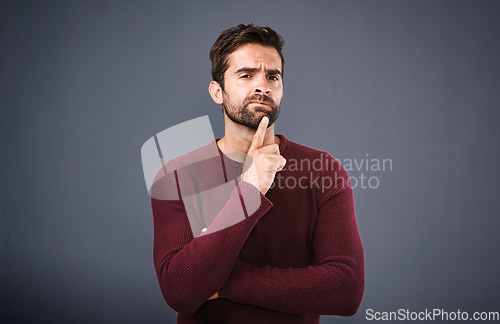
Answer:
(251, 70)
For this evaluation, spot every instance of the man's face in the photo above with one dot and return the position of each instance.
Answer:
(253, 85)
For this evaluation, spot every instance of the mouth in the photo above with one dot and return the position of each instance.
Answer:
(259, 103)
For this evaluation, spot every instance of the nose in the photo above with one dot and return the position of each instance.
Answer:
(262, 85)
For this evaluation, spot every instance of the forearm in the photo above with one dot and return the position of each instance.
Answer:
(190, 270)
(333, 284)
(334, 287)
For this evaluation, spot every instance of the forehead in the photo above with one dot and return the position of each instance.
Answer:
(254, 55)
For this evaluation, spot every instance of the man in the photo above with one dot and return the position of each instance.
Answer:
(281, 243)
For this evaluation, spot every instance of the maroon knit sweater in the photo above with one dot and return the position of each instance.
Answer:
(297, 256)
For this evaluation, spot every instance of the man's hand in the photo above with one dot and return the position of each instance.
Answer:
(263, 160)
(216, 295)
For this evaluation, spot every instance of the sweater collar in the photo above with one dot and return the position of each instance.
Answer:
(282, 147)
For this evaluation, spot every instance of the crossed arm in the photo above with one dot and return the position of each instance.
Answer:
(192, 270)
(333, 286)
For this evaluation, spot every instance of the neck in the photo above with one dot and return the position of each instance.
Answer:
(237, 138)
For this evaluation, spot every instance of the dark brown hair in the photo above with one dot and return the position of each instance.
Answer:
(232, 38)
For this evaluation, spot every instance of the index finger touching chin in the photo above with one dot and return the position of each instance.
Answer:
(258, 138)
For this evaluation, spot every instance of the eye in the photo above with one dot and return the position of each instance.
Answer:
(245, 76)
(273, 77)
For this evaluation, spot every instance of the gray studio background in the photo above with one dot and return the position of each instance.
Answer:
(85, 83)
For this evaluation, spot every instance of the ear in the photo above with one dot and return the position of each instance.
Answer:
(215, 91)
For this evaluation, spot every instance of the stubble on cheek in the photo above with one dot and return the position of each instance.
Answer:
(250, 114)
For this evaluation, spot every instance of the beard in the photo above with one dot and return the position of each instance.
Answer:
(243, 115)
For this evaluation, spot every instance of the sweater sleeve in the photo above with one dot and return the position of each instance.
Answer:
(190, 270)
(334, 285)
